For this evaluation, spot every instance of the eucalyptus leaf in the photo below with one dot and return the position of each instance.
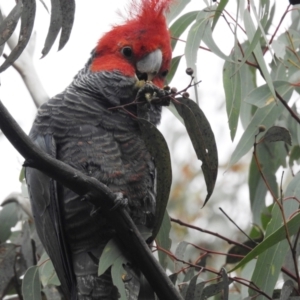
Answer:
(117, 274)
(266, 116)
(176, 9)
(218, 13)
(180, 25)
(158, 148)
(31, 285)
(8, 219)
(233, 94)
(262, 96)
(110, 254)
(7, 263)
(27, 20)
(163, 240)
(250, 30)
(47, 272)
(214, 289)
(179, 253)
(274, 247)
(67, 12)
(286, 290)
(55, 26)
(277, 133)
(190, 293)
(202, 138)
(174, 65)
(8, 25)
(194, 38)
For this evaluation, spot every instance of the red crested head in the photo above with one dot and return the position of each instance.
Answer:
(139, 47)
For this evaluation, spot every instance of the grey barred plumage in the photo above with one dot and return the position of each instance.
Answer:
(83, 128)
(105, 144)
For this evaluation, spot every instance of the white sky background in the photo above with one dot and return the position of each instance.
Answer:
(56, 70)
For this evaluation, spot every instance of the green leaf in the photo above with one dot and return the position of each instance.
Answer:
(270, 157)
(251, 44)
(250, 30)
(110, 254)
(287, 290)
(31, 285)
(214, 289)
(274, 247)
(194, 38)
(266, 216)
(8, 259)
(8, 25)
(266, 116)
(179, 253)
(239, 250)
(67, 12)
(55, 26)
(27, 20)
(158, 148)
(190, 293)
(271, 240)
(163, 240)
(262, 96)
(8, 219)
(294, 155)
(117, 273)
(174, 65)
(233, 93)
(210, 43)
(277, 133)
(248, 83)
(47, 272)
(199, 290)
(180, 25)
(202, 138)
(27, 250)
(175, 9)
(226, 283)
(265, 8)
(219, 11)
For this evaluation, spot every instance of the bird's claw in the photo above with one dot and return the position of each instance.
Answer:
(120, 201)
(153, 94)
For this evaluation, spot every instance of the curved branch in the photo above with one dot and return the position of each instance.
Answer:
(92, 190)
(25, 67)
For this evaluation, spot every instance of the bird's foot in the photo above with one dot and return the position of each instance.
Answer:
(120, 201)
(150, 93)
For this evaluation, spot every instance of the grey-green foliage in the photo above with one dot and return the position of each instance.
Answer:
(263, 106)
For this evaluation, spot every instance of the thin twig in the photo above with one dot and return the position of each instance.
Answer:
(229, 241)
(276, 30)
(236, 225)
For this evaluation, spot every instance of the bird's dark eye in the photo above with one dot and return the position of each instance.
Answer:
(164, 73)
(127, 51)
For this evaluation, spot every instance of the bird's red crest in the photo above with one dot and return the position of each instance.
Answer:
(144, 30)
(148, 10)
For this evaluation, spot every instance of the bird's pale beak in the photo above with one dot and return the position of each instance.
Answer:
(148, 66)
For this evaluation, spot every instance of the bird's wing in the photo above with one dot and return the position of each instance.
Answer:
(47, 214)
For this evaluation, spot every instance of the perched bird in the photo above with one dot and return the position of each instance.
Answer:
(80, 128)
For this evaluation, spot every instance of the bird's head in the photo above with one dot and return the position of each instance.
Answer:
(140, 47)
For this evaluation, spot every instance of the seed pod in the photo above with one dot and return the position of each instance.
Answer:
(173, 90)
(185, 95)
(261, 128)
(189, 71)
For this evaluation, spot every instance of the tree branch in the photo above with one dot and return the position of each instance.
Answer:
(93, 190)
(25, 67)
